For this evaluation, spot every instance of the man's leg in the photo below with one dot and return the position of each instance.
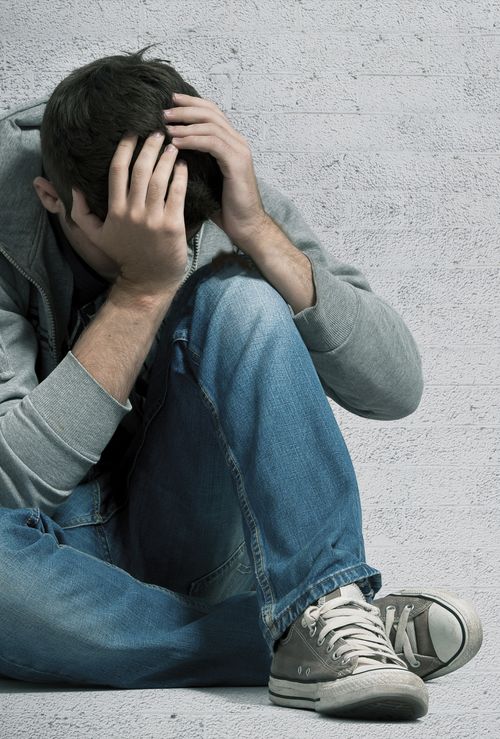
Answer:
(68, 615)
(239, 440)
(184, 472)
(235, 346)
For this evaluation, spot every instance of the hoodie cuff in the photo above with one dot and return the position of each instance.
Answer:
(325, 325)
(77, 408)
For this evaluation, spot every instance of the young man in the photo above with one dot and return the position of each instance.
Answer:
(178, 505)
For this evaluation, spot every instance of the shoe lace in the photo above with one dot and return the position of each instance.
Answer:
(402, 644)
(360, 627)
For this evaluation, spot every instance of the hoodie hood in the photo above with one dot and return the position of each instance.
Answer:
(26, 236)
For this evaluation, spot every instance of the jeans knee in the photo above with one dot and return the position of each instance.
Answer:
(239, 294)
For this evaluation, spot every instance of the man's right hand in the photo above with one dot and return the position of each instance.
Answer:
(143, 234)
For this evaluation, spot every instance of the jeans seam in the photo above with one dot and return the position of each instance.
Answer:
(217, 571)
(195, 356)
(40, 672)
(229, 457)
(145, 423)
(177, 335)
(95, 514)
(103, 539)
(185, 599)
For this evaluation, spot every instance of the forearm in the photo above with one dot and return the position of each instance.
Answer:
(58, 429)
(361, 348)
(364, 353)
(284, 266)
(115, 344)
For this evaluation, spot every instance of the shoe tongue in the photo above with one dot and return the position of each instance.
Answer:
(346, 591)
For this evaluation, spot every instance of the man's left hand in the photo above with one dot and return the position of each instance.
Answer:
(242, 216)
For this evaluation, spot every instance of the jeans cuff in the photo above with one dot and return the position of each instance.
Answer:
(368, 578)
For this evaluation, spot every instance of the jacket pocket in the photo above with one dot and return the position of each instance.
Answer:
(6, 369)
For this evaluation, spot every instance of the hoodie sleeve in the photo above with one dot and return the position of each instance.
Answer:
(366, 357)
(52, 432)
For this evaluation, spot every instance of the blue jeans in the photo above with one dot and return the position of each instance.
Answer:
(234, 507)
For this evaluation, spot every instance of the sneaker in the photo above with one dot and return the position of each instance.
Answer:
(337, 659)
(433, 631)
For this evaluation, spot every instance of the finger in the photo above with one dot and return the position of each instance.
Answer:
(89, 223)
(174, 206)
(118, 171)
(160, 180)
(213, 144)
(211, 128)
(142, 170)
(191, 114)
(207, 109)
(206, 106)
(185, 100)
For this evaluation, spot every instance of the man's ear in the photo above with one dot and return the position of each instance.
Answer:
(48, 195)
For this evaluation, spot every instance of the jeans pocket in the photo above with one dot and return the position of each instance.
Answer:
(91, 502)
(80, 508)
(234, 575)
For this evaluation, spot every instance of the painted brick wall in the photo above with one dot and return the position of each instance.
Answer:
(381, 118)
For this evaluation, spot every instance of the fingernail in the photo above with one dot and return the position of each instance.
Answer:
(157, 134)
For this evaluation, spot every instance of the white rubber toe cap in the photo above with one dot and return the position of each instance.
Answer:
(445, 631)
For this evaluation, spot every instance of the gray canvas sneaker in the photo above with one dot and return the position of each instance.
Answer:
(433, 631)
(336, 659)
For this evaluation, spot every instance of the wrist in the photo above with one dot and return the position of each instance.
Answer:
(257, 238)
(126, 293)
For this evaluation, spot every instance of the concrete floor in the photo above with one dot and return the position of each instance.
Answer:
(464, 704)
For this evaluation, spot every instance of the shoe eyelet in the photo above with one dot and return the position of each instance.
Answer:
(308, 671)
(312, 633)
(344, 661)
(335, 655)
(416, 663)
(329, 649)
(303, 624)
(320, 642)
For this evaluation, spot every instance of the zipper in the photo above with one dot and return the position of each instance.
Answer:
(196, 253)
(52, 342)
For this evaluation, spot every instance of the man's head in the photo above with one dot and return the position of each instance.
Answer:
(86, 116)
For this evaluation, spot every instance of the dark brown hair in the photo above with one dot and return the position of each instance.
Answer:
(90, 110)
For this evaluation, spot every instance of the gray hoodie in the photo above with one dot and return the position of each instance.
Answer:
(56, 420)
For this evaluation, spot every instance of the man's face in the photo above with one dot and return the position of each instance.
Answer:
(94, 257)
(100, 262)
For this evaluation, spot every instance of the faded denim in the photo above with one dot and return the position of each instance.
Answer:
(233, 509)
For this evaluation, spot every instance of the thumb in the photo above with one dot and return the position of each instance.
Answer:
(89, 223)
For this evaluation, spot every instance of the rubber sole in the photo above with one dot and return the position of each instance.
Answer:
(467, 617)
(379, 694)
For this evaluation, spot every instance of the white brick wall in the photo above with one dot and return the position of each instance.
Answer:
(381, 118)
